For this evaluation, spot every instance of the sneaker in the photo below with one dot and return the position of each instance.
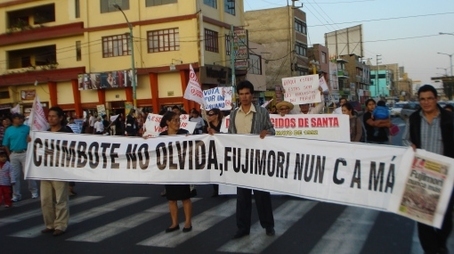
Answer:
(35, 195)
(15, 199)
(6, 206)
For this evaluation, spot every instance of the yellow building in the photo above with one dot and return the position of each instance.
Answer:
(77, 53)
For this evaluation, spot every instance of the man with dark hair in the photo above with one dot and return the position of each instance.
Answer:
(432, 128)
(250, 119)
(338, 110)
(15, 143)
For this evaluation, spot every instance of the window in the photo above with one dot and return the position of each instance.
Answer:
(4, 95)
(159, 2)
(107, 5)
(300, 49)
(163, 40)
(211, 41)
(300, 26)
(229, 6)
(78, 51)
(77, 8)
(302, 72)
(255, 64)
(323, 60)
(117, 45)
(227, 45)
(211, 3)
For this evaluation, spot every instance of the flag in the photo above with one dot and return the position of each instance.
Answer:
(37, 119)
(266, 103)
(15, 110)
(193, 91)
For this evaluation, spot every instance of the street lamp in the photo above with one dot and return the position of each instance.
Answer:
(450, 59)
(133, 67)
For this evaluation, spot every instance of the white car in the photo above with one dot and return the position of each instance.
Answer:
(395, 110)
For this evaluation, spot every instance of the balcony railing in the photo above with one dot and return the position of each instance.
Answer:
(42, 33)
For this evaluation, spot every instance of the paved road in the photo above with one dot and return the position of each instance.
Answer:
(121, 218)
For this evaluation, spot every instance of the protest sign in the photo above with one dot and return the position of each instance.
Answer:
(364, 175)
(218, 97)
(302, 89)
(152, 128)
(315, 126)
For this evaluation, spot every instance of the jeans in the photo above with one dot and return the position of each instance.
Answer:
(18, 164)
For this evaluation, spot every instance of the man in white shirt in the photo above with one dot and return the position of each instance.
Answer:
(99, 126)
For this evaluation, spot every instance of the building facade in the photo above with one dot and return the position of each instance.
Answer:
(77, 54)
(283, 33)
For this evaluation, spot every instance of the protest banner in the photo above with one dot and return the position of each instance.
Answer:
(37, 120)
(152, 128)
(218, 97)
(364, 175)
(316, 126)
(193, 90)
(323, 84)
(302, 89)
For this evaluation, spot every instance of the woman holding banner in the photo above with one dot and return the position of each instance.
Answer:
(356, 129)
(171, 120)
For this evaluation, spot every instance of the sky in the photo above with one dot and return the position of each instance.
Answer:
(405, 32)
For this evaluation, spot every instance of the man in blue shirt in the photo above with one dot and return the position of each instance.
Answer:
(15, 143)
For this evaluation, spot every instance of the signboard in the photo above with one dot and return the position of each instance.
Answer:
(302, 89)
(27, 95)
(105, 80)
(218, 97)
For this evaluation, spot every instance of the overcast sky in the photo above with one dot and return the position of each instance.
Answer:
(402, 31)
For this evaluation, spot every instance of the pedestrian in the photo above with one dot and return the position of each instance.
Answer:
(214, 125)
(431, 128)
(54, 194)
(131, 124)
(15, 143)
(99, 126)
(197, 118)
(377, 130)
(338, 110)
(356, 128)
(7, 179)
(91, 123)
(251, 119)
(284, 107)
(171, 120)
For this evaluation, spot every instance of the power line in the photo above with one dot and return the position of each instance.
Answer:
(383, 19)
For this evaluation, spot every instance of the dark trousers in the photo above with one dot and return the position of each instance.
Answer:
(433, 240)
(244, 207)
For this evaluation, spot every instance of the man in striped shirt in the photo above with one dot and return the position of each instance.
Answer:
(432, 128)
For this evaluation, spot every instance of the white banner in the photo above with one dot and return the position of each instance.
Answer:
(302, 89)
(38, 121)
(193, 91)
(371, 176)
(218, 97)
(152, 128)
(317, 126)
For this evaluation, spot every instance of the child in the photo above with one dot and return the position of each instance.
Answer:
(7, 179)
(381, 112)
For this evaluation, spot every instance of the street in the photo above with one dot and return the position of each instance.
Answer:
(124, 218)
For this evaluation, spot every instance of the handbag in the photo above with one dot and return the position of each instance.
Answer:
(394, 130)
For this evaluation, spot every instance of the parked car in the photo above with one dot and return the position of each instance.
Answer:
(397, 108)
(408, 109)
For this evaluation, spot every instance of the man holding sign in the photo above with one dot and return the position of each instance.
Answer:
(431, 128)
(249, 119)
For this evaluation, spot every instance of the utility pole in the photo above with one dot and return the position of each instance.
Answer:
(232, 62)
(133, 68)
(377, 61)
(450, 59)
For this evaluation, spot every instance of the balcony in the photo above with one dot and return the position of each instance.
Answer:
(41, 33)
(342, 74)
